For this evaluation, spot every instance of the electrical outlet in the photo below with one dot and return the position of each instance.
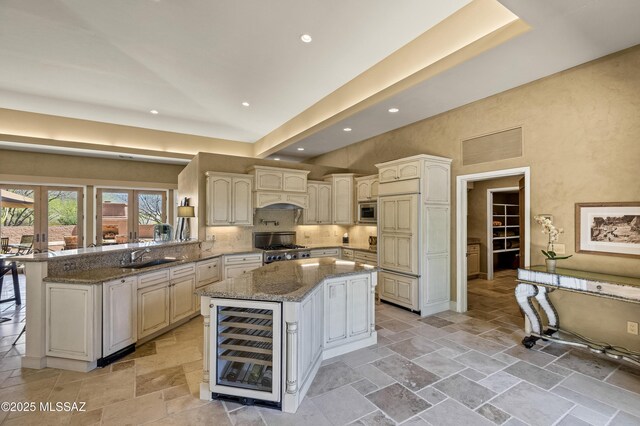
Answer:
(559, 248)
(632, 327)
(211, 237)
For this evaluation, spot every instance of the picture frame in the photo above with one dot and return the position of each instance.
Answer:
(610, 229)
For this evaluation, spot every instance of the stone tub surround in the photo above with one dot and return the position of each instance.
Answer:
(289, 281)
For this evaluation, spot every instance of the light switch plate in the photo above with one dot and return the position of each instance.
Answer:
(632, 327)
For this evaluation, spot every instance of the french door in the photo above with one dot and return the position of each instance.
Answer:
(41, 218)
(126, 215)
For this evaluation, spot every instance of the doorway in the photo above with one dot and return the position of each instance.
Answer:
(463, 182)
(42, 218)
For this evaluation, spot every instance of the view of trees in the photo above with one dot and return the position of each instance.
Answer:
(149, 205)
(62, 209)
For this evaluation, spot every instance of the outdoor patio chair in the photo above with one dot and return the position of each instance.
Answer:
(26, 245)
(4, 245)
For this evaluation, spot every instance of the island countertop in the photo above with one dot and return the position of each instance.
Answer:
(288, 281)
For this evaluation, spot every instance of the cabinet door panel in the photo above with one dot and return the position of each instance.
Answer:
(389, 286)
(219, 200)
(335, 311)
(373, 190)
(388, 254)
(311, 213)
(182, 298)
(343, 208)
(409, 170)
(358, 310)
(388, 174)
(269, 181)
(153, 309)
(407, 259)
(294, 182)
(363, 190)
(70, 321)
(119, 315)
(387, 214)
(242, 209)
(324, 204)
(406, 214)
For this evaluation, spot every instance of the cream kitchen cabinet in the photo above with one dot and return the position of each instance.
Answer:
(208, 272)
(399, 214)
(367, 188)
(365, 257)
(278, 179)
(400, 171)
(319, 209)
(73, 321)
(473, 259)
(398, 253)
(329, 252)
(399, 289)
(342, 198)
(238, 264)
(119, 314)
(229, 199)
(347, 254)
(165, 297)
(347, 313)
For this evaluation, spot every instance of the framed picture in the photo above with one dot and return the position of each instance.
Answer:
(608, 228)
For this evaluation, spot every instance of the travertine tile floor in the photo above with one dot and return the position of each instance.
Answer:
(447, 369)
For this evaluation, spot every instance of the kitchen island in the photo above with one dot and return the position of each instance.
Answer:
(267, 331)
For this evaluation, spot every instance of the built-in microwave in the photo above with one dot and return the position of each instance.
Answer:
(368, 212)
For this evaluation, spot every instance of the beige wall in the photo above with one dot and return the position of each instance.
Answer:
(581, 133)
(477, 212)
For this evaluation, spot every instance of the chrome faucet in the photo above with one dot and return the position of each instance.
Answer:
(139, 254)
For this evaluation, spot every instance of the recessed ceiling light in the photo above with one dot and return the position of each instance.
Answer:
(392, 110)
(277, 158)
(154, 111)
(306, 38)
(245, 104)
(347, 129)
(300, 149)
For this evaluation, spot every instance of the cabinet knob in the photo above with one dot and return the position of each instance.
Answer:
(209, 266)
(122, 280)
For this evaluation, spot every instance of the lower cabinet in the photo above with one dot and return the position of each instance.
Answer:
(400, 289)
(73, 321)
(181, 300)
(238, 264)
(168, 299)
(331, 252)
(347, 315)
(153, 309)
(119, 315)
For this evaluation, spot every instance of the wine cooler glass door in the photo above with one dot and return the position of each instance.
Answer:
(246, 349)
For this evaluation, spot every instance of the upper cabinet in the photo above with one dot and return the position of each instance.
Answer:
(342, 198)
(400, 171)
(367, 188)
(319, 209)
(229, 199)
(277, 179)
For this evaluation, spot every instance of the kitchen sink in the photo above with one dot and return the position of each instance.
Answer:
(155, 262)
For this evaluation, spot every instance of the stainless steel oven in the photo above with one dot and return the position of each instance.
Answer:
(368, 212)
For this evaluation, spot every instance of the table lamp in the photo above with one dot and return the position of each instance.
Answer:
(185, 212)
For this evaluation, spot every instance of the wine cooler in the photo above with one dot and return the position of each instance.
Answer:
(246, 350)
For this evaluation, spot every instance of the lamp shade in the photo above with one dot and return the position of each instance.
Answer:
(186, 211)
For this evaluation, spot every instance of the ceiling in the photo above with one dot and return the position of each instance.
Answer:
(196, 62)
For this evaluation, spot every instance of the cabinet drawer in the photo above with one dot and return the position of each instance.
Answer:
(473, 248)
(366, 257)
(236, 259)
(207, 272)
(237, 270)
(153, 278)
(183, 271)
(347, 254)
(400, 289)
(326, 253)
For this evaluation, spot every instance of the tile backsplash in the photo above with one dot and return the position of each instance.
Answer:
(240, 238)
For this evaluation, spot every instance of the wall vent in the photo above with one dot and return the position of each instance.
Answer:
(496, 146)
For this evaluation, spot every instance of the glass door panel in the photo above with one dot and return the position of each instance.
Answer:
(113, 219)
(64, 219)
(18, 218)
(151, 210)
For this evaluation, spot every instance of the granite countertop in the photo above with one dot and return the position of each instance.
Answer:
(287, 281)
(100, 275)
(96, 251)
(347, 246)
